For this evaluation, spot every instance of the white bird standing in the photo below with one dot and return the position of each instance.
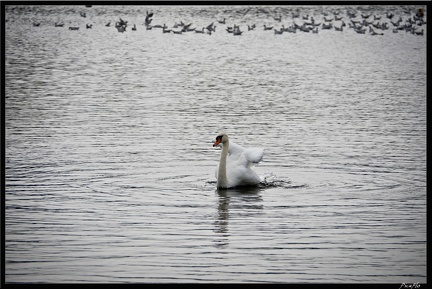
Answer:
(234, 168)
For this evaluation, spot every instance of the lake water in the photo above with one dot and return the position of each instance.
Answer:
(110, 166)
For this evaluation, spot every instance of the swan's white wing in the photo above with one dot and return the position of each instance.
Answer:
(244, 157)
(249, 157)
(254, 155)
(235, 149)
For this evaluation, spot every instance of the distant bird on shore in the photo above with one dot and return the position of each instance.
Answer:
(325, 26)
(236, 30)
(373, 32)
(187, 28)
(159, 26)
(211, 27)
(121, 22)
(419, 32)
(279, 32)
(338, 28)
(147, 19)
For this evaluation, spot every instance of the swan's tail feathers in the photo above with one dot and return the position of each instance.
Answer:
(254, 155)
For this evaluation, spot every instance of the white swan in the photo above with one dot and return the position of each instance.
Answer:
(234, 168)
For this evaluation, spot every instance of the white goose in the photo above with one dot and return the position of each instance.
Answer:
(234, 168)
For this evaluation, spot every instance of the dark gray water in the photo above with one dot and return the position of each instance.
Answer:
(110, 165)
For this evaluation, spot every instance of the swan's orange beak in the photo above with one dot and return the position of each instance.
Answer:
(218, 140)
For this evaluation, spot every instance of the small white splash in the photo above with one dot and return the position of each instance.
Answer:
(271, 180)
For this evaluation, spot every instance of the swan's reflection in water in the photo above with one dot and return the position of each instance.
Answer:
(232, 203)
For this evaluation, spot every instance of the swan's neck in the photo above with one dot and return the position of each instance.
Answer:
(222, 181)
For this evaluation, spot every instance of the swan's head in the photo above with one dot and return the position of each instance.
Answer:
(221, 138)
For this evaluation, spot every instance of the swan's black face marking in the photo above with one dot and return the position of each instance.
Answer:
(218, 140)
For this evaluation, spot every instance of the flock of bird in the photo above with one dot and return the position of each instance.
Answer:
(366, 22)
